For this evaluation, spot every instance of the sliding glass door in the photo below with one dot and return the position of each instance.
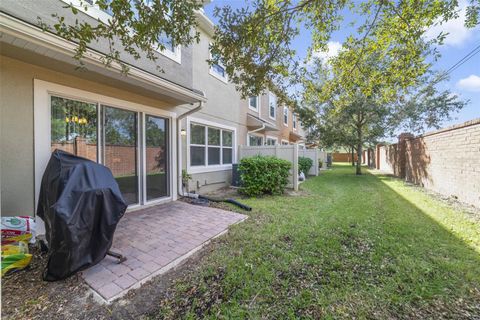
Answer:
(74, 127)
(156, 158)
(132, 144)
(120, 150)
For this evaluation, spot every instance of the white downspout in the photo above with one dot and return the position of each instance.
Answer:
(179, 145)
(258, 129)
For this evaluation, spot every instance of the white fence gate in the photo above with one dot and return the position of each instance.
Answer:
(289, 153)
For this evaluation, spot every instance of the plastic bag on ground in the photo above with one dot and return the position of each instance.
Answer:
(16, 226)
(15, 254)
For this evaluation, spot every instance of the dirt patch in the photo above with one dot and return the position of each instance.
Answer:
(26, 296)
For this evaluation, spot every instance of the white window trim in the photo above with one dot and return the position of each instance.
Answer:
(175, 55)
(257, 110)
(206, 167)
(95, 12)
(283, 116)
(287, 142)
(271, 95)
(271, 137)
(255, 135)
(42, 129)
(224, 79)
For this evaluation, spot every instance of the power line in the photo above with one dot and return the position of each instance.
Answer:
(467, 57)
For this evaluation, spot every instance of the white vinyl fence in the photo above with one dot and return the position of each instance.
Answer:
(289, 153)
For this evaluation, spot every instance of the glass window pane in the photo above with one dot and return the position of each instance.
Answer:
(197, 134)
(227, 138)
(252, 101)
(227, 155)
(74, 127)
(213, 155)
(120, 150)
(213, 137)
(197, 156)
(219, 70)
(167, 42)
(255, 140)
(156, 157)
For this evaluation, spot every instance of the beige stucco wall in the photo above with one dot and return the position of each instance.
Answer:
(223, 107)
(17, 125)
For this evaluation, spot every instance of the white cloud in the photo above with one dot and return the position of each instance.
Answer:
(457, 32)
(333, 48)
(470, 83)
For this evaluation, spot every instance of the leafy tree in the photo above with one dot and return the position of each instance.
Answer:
(254, 42)
(350, 112)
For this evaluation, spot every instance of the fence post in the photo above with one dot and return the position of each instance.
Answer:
(295, 167)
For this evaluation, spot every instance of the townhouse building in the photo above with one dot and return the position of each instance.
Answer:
(147, 126)
(270, 123)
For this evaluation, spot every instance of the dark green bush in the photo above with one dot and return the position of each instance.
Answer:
(304, 164)
(264, 175)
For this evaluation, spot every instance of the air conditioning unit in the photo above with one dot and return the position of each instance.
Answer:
(236, 176)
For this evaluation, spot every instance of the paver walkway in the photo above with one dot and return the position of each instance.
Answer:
(154, 240)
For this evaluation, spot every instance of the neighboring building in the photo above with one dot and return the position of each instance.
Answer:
(146, 127)
(269, 123)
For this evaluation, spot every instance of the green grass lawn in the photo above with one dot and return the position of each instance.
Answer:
(351, 246)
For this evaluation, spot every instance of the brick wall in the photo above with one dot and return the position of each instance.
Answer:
(446, 161)
(343, 157)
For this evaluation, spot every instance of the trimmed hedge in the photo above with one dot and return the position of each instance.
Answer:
(264, 175)
(304, 165)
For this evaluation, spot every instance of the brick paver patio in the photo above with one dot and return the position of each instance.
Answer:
(154, 240)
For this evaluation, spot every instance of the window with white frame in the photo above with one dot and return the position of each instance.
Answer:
(285, 143)
(253, 103)
(294, 121)
(285, 116)
(218, 69)
(255, 141)
(170, 50)
(271, 141)
(210, 146)
(272, 106)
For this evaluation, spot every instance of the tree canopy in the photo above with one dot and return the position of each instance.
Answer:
(382, 79)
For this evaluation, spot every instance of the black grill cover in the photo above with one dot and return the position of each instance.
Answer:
(81, 204)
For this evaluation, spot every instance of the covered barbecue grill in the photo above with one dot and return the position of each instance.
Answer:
(81, 204)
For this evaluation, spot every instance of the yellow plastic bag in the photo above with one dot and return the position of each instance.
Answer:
(15, 253)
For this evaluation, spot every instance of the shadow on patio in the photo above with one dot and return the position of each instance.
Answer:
(154, 240)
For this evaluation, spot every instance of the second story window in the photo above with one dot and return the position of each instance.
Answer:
(294, 121)
(272, 106)
(285, 116)
(253, 103)
(171, 50)
(218, 69)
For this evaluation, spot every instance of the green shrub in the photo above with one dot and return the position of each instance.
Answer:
(264, 175)
(304, 164)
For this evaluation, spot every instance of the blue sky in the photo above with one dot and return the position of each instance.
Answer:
(464, 81)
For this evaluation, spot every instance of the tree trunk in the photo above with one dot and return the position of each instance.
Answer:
(359, 159)
(353, 156)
